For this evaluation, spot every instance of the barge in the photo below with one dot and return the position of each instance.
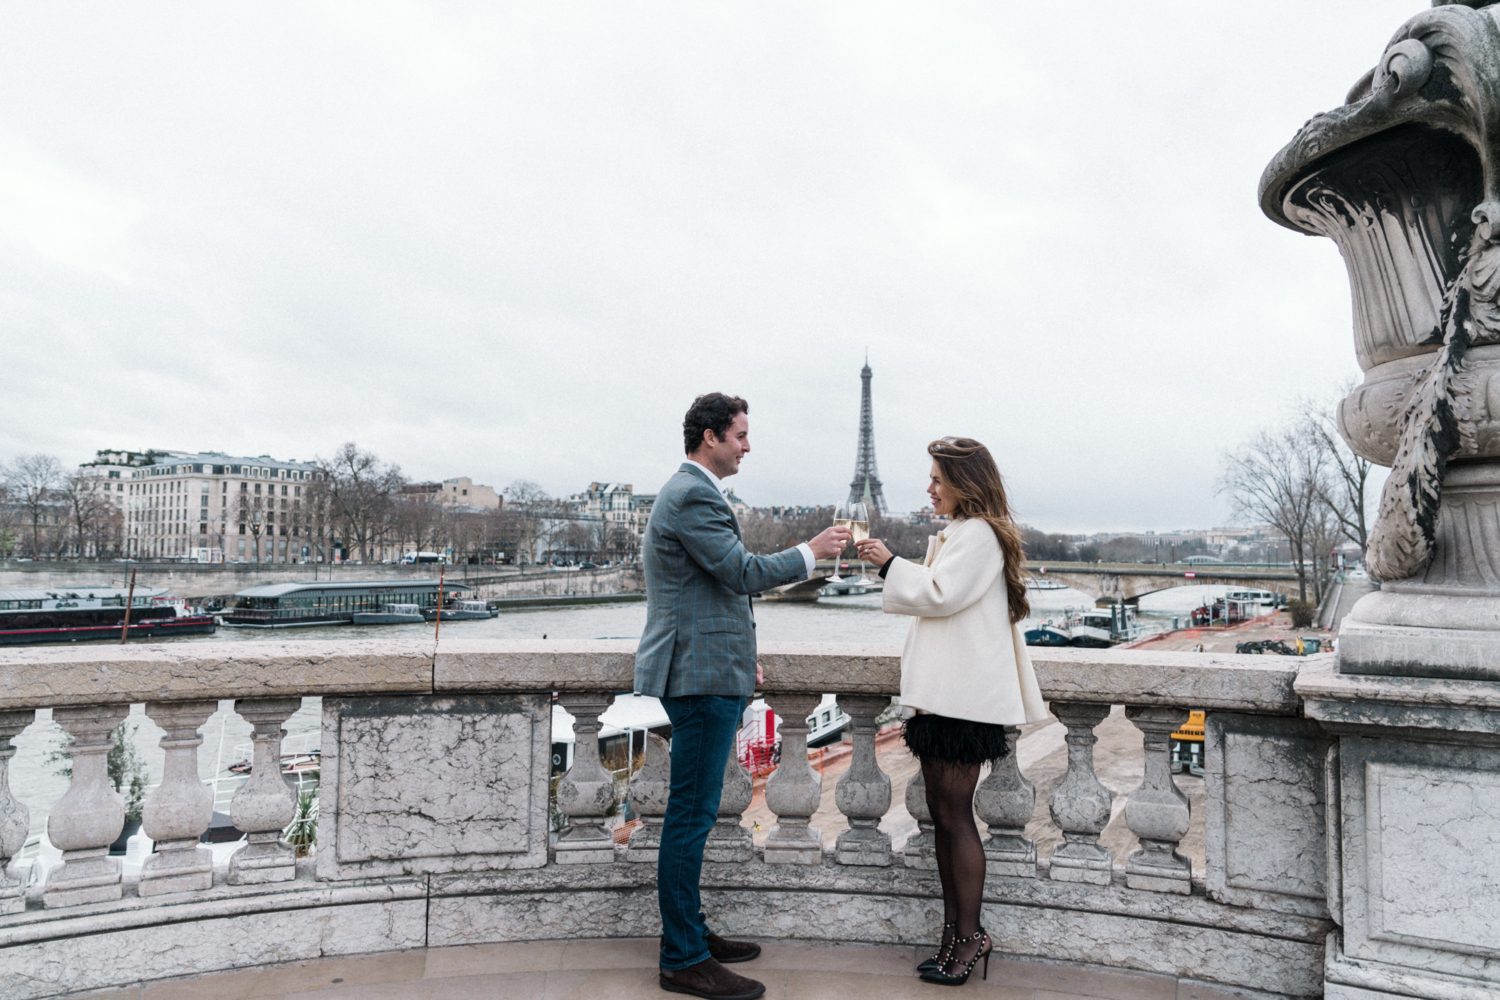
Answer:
(88, 613)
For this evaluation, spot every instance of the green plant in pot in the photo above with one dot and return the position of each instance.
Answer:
(302, 832)
(127, 773)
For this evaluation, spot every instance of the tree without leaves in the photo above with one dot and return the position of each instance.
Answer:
(361, 490)
(31, 483)
(538, 516)
(89, 508)
(1344, 490)
(1274, 479)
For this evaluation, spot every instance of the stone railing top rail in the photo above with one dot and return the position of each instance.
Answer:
(49, 677)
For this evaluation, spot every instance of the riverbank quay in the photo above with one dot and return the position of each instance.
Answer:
(203, 581)
(1223, 638)
(433, 826)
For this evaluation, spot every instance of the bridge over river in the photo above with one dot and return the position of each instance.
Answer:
(1121, 581)
(1132, 581)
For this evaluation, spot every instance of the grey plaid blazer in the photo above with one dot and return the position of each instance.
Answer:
(700, 632)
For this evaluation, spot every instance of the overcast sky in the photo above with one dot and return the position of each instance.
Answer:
(513, 241)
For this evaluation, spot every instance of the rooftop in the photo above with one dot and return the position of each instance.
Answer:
(282, 589)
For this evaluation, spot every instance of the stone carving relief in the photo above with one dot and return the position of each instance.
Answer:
(1400, 178)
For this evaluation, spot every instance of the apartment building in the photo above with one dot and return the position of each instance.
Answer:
(460, 492)
(113, 469)
(212, 507)
(612, 502)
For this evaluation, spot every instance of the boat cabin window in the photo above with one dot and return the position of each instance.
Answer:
(20, 605)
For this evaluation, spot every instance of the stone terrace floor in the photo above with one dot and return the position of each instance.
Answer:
(625, 969)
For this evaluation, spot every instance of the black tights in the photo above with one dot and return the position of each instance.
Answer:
(960, 855)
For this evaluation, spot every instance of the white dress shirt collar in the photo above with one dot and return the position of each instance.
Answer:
(714, 480)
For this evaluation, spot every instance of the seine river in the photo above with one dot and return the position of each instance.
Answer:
(226, 736)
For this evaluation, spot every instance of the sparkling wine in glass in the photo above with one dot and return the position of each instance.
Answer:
(859, 526)
(841, 519)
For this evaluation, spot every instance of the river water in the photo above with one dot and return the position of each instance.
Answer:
(35, 781)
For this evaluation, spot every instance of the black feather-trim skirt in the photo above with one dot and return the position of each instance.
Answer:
(939, 739)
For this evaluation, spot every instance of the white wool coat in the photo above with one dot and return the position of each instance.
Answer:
(963, 657)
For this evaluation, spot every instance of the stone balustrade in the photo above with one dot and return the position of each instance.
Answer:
(433, 815)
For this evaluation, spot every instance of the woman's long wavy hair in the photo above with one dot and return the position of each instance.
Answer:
(973, 483)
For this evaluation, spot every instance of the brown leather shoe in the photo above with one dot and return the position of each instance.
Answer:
(728, 952)
(710, 980)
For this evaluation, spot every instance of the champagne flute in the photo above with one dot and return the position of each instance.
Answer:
(859, 526)
(841, 519)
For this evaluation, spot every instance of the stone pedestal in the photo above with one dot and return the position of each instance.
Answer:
(1417, 833)
(88, 818)
(1444, 622)
(863, 794)
(15, 818)
(794, 789)
(1080, 803)
(264, 805)
(587, 792)
(1004, 800)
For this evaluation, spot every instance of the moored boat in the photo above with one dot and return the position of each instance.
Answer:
(1047, 635)
(460, 611)
(81, 614)
(391, 614)
(287, 605)
(1089, 637)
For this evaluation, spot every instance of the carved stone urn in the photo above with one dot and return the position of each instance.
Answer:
(1405, 178)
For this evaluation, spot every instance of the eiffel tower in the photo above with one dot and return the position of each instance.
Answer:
(866, 485)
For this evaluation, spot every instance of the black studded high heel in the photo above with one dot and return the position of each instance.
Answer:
(954, 978)
(950, 931)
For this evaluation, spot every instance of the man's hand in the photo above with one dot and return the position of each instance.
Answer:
(873, 550)
(830, 543)
(760, 674)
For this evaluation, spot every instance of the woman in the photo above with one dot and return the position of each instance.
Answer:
(964, 672)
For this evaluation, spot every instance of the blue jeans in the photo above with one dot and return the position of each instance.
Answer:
(703, 731)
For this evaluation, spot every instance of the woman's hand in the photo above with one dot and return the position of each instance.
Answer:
(873, 550)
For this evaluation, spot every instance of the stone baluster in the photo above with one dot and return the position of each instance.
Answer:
(264, 805)
(921, 847)
(1158, 812)
(15, 818)
(1004, 800)
(648, 797)
(586, 793)
(727, 839)
(90, 815)
(794, 789)
(178, 810)
(1080, 803)
(863, 794)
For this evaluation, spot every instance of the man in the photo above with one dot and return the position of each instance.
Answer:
(697, 655)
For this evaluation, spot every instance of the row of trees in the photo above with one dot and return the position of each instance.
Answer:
(765, 533)
(360, 506)
(368, 506)
(47, 513)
